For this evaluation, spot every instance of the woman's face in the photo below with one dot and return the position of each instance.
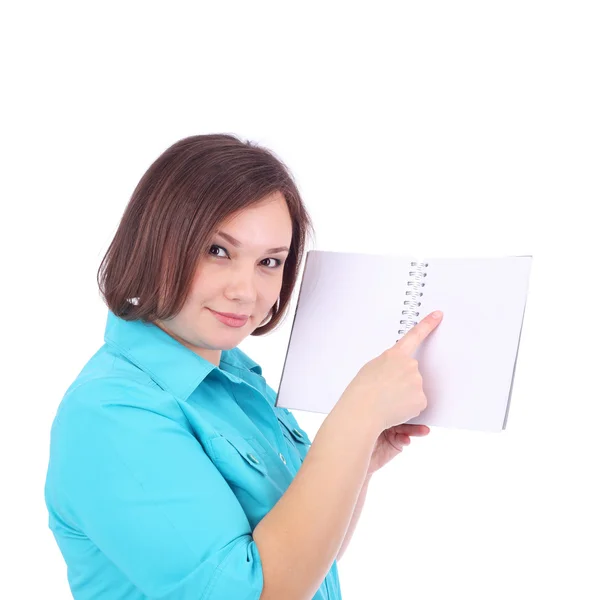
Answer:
(242, 280)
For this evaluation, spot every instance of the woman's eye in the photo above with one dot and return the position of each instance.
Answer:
(277, 264)
(218, 247)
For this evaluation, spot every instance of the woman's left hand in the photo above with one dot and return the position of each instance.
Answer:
(391, 442)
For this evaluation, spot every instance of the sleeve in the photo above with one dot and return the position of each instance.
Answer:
(144, 491)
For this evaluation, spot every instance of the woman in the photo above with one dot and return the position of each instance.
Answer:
(172, 473)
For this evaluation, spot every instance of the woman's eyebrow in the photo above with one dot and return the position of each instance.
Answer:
(237, 244)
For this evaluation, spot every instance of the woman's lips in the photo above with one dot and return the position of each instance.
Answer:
(229, 320)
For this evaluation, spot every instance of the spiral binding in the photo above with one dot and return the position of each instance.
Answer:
(415, 284)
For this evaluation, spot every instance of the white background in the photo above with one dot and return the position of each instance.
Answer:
(430, 128)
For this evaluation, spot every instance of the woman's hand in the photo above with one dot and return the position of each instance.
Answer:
(390, 443)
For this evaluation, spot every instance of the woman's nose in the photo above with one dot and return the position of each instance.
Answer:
(242, 286)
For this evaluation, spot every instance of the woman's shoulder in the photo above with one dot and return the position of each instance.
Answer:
(107, 382)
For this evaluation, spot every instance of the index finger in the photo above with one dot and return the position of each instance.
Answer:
(413, 338)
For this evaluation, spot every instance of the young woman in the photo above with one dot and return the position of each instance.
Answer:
(172, 474)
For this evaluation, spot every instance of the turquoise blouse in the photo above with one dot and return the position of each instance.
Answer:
(161, 465)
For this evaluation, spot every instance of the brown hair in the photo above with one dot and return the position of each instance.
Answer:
(179, 202)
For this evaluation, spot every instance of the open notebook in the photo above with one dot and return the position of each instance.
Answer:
(351, 307)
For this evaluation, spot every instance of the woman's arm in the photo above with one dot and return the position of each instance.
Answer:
(125, 469)
(300, 537)
(355, 517)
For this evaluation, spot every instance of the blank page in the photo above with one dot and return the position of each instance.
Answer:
(469, 361)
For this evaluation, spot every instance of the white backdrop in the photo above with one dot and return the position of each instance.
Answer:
(430, 128)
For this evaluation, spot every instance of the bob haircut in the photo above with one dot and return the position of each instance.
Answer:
(177, 206)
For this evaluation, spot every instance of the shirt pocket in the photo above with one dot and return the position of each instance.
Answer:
(243, 466)
(237, 456)
(295, 436)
